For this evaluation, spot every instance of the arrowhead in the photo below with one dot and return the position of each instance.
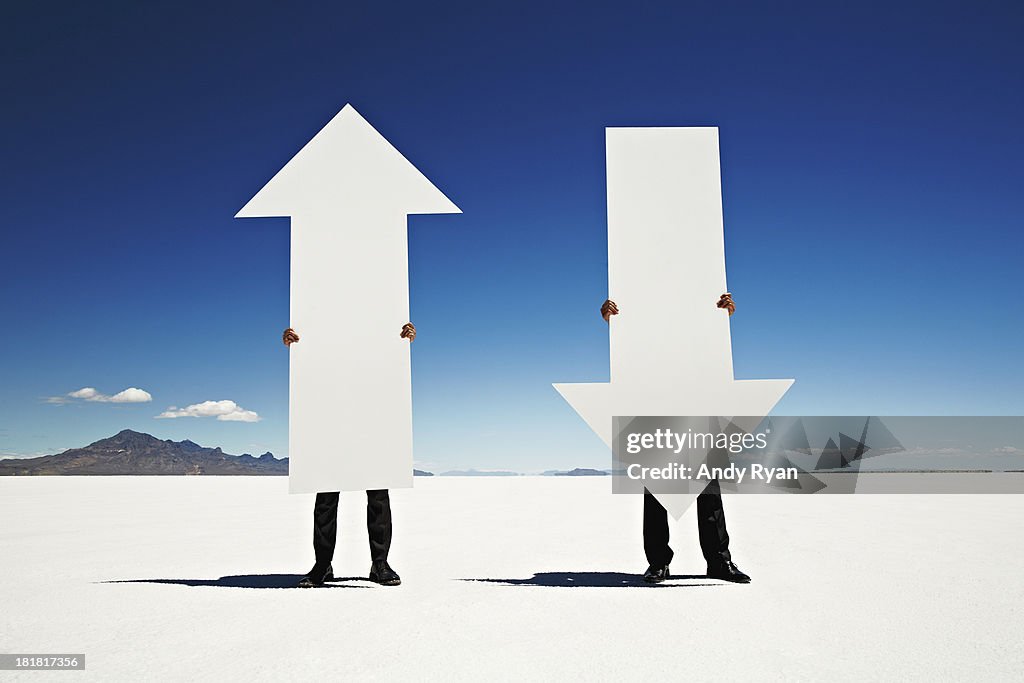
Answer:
(598, 403)
(347, 163)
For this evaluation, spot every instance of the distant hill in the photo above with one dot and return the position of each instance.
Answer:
(129, 452)
(580, 472)
(422, 473)
(480, 473)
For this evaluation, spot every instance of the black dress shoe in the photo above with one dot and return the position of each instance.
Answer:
(727, 571)
(316, 576)
(656, 574)
(382, 573)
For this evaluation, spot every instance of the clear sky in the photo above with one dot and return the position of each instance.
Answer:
(872, 160)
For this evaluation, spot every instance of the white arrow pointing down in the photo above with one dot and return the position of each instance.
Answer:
(671, 348)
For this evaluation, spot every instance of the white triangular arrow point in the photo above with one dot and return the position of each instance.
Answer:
(597, 403)
(348, 163)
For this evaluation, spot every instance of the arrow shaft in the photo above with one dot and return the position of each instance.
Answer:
(350, 374)
(666, 256)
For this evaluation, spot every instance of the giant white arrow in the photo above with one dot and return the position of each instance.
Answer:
(349, 193)
(671, 349)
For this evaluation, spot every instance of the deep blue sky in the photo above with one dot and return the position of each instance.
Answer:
(872, 174)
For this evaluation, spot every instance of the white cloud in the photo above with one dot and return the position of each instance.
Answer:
(227, 411)
(129, 395)
(88, 393)
(1007, 450)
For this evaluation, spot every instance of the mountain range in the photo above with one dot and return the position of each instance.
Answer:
(129, 452)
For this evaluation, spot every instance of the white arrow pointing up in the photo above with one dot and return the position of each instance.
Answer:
(671, 349)
(349, 192)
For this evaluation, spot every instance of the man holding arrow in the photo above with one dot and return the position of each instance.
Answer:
(325, 519)
(714, 538)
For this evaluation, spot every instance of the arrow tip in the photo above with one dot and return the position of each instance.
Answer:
(347, 163)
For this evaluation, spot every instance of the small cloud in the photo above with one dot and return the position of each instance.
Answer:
(129, 395)
(226, 411)
(1007, 450)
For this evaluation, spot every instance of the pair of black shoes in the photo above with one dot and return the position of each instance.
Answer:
(724, 570)
(380, 572)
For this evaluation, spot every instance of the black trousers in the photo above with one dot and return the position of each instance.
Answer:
(714, 539)
(378, 525)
